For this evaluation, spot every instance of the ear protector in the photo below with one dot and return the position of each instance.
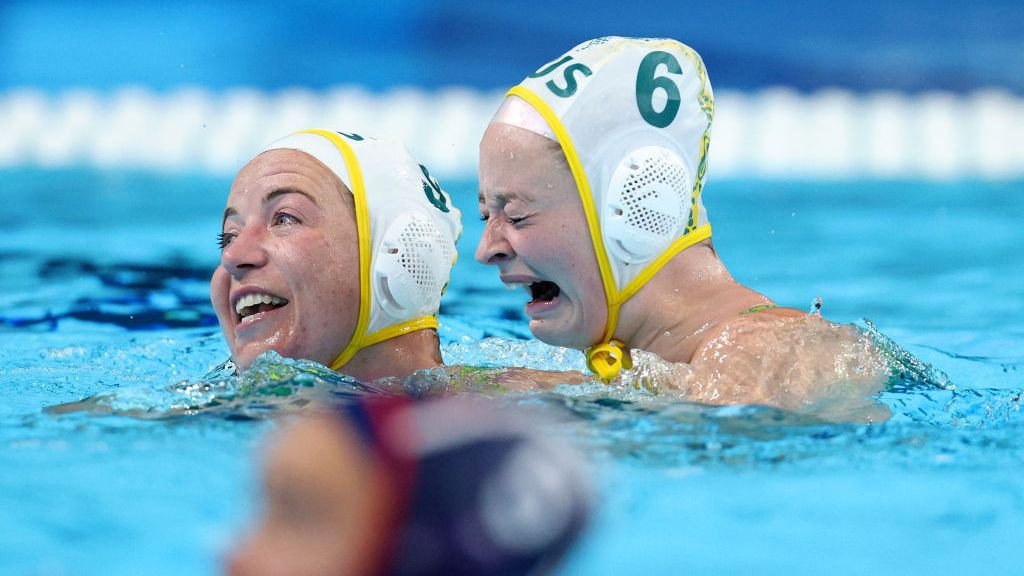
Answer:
(411, 269)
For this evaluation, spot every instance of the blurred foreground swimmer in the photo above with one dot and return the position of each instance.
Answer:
(393, 486)
(335, 248)
(591, 180)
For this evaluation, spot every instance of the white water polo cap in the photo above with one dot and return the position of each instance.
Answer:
(407, 227)
(633, 118)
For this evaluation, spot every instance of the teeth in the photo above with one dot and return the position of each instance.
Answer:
(515, 285)
(255, 300)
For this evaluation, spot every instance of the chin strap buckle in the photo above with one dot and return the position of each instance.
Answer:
(608, 359)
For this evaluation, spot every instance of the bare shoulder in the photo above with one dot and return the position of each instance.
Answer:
(777, 326)
(787, 358)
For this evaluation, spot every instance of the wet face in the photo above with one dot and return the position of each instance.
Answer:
(320, 507)
(536, 234)
(288, 278)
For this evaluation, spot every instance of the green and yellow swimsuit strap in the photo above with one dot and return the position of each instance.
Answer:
(758, 308)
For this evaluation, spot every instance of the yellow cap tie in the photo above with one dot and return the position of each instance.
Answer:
(606, 360)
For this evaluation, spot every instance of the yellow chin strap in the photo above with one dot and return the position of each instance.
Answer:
(355, 345)
(608, 357)
(360, 339)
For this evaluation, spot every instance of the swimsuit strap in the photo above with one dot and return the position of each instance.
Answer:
(758, 308)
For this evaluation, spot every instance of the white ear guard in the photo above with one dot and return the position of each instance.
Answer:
(646, 204)
(643, 184)
(411, 269)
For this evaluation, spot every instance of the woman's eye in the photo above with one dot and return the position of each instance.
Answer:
(514, 221)
(284, 218)
(225, 238)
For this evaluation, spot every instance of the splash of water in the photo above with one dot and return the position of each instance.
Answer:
(907, 372)
(273, 384)
(504, 352)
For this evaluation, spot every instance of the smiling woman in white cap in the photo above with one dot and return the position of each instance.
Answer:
(335, 248)
(591, 181)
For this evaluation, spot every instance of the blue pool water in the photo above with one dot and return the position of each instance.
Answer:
(104, 280)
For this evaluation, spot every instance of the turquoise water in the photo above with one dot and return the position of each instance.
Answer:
(104, 290)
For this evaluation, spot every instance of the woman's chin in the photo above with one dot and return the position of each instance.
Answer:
(245, 356)
(555, 336)
(242, 361)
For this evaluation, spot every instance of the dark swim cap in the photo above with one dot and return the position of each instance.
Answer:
(478, 491)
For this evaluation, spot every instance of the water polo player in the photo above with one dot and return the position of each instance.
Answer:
(335, 248)
(393, 486)
(591, 179)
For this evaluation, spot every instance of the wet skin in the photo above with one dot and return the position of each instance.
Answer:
(536, 231)
(324, 507)
(289, 234)
(689, 314)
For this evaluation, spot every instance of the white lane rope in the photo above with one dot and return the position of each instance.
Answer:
(775, 133)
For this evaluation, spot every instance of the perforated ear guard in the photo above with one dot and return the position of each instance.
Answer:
(646, 205)
(409, 270)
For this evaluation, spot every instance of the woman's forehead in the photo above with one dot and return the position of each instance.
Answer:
(518, 163)
(283, 163)
(284, 168)
(512, 141)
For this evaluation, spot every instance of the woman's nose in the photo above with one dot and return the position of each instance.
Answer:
(246, 252)
(493, 247)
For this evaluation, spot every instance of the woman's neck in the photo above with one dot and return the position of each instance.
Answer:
(673, 313)
(399, 357)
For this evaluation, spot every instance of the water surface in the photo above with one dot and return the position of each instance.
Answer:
(104, 281)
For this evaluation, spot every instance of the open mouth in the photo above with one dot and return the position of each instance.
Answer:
(250, 305)
(543, 291)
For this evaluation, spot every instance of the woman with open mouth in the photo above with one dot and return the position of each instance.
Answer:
(335, 248)
(591, 174)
